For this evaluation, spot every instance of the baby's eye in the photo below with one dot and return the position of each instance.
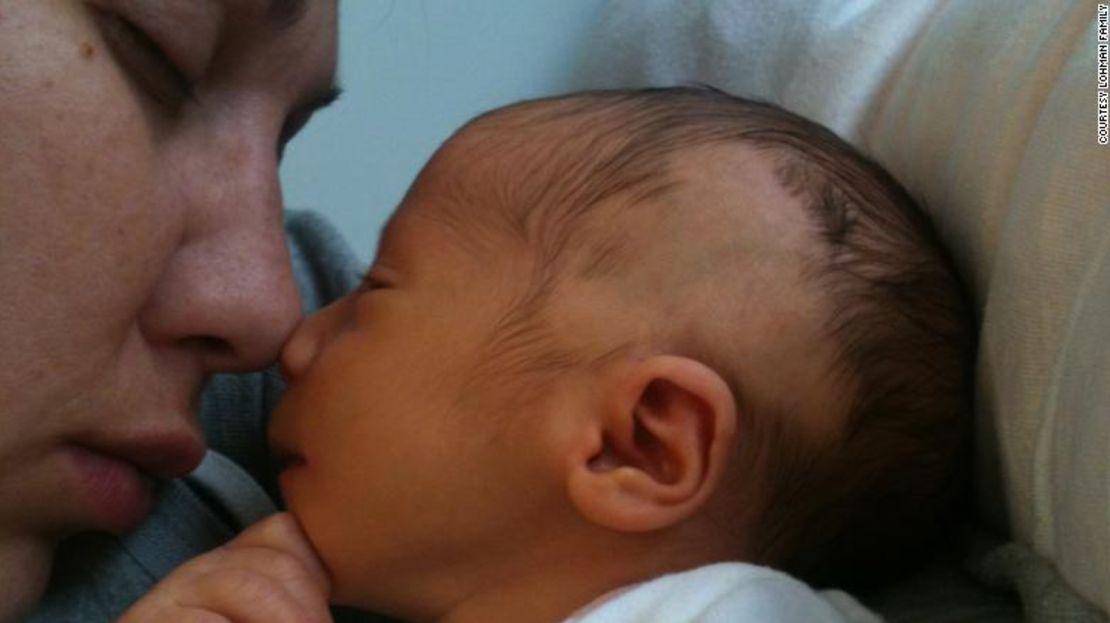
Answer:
(370, 281)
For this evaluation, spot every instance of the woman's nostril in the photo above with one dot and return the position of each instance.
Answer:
(209, 345)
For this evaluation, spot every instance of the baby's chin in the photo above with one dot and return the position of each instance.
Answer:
(356, 580)
(321, 535)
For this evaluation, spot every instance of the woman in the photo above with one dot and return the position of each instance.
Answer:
(141, 243)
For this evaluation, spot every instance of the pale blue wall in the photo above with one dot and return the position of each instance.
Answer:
(412, 72)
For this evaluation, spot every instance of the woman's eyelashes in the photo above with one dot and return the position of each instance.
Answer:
(293, 124)
(145, 61)
(300, 116)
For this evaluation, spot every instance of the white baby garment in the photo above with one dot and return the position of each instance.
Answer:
(729, 592)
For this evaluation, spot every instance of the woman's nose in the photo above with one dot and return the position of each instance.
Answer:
(231, 297)
(228, 290)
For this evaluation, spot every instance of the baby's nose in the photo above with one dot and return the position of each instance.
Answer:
(311, 337)
(298, 353)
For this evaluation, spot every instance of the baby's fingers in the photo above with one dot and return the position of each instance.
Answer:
(268, 574)
(229, 596)
(282, 535)
(245, 596)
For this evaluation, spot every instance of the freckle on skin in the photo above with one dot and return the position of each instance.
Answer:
(87, 50)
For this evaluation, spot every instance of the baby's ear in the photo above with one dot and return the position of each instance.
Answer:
(659, 446)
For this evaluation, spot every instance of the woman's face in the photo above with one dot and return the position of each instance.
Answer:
(141, 243)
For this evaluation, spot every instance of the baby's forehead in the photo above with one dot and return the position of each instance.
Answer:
(552, 172)
(524, 162)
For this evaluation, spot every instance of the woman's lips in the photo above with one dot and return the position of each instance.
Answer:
(164, 455)
(114, 480)
(115, 493)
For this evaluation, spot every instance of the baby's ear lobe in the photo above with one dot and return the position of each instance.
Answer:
(664, 441)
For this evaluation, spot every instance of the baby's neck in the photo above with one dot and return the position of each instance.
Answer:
(547, 589)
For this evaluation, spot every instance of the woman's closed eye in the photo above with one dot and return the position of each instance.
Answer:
(145, 61)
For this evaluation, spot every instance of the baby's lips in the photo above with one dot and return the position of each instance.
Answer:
(286, 455)
(288, 460)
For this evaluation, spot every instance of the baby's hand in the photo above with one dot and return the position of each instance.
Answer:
(268, 574)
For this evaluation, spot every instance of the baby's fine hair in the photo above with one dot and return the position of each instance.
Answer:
(874, 500)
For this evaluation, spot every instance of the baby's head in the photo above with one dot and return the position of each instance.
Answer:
(616, 334)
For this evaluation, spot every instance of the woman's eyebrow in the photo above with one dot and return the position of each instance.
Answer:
(285, 13)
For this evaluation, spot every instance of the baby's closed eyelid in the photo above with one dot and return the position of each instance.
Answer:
(369, 282)
(374, 279)
(384, 270)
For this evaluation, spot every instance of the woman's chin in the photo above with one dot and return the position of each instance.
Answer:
(24, 571)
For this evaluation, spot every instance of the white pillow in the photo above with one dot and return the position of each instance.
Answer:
(986, 109)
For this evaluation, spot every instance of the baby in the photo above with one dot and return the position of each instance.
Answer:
(619, 355)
